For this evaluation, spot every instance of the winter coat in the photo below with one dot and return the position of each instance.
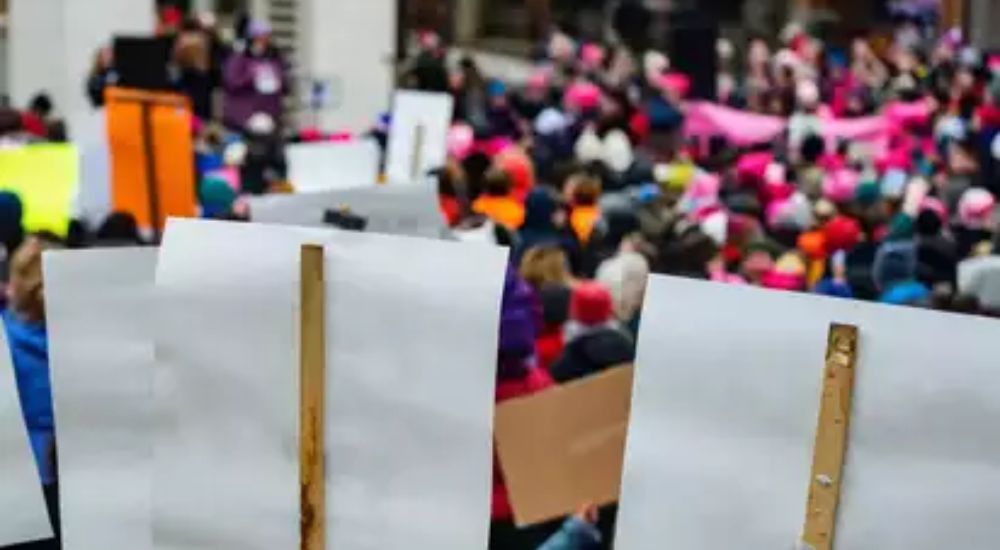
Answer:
(574, 535)
(539, 229)
(254, 85)
(595, 350)
(29, 348)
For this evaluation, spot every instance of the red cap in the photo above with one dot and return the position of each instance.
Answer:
(591, 304)
(171, 16)
(842, 233)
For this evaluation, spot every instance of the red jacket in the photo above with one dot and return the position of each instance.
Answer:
(549, 347)
(536, 381)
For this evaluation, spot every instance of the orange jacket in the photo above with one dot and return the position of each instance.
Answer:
(505, 211)
(582, 220)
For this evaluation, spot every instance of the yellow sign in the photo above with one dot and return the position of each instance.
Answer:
(44, 176)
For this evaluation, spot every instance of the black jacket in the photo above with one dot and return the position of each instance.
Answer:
(593, 353)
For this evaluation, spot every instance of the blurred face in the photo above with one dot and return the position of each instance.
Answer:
(559, 218)
(105, 58)
(759, 53)
(261, 43)
(860, 49)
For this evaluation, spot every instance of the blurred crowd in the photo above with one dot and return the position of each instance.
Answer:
(586, 172)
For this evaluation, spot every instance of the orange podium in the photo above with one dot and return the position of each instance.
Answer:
(152, 156)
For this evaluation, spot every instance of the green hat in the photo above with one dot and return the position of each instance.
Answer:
(216, 195)
(867, 193)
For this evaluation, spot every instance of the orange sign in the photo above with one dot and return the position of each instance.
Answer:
(152, 156)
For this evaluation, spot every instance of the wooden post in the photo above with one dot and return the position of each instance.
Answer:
(417, 160)
(312, 389)
(831, 438)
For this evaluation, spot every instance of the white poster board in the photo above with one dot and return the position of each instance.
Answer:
(408, 427)
(418, 136)
(330, 166)
(98, 305)
(725, 411)
(408, 210)
(52, 45)
(355, 64)
(24, 516)
(88, 131)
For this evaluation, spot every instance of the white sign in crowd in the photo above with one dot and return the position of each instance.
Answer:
(176, 391)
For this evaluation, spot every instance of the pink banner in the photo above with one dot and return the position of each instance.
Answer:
(743, 128)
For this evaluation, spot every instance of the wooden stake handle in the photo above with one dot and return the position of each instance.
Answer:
(831, 438)
(417, 160)
(312, 466)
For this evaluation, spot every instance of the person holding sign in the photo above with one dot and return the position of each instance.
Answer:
(255, 80)
(517, 376)
(24, 322)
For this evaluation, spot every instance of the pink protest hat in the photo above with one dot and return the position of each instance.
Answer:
(461, 139)
(582, 96)
(676, 83)
(592, 55)
(540, 78)
(751, 167)
(975, 209)
(936, 206)
(839, 186)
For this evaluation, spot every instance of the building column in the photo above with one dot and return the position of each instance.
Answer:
(952, 14)
(982, 20)
(468, 20)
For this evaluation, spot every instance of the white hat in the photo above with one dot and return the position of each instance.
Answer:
(261, 124)
(716, 226)
(551, 121)
(807, 93)
(618, 153)
(655, 63)
(589, 147)
(234, 154)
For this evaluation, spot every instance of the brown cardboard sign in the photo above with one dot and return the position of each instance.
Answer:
(565, 447)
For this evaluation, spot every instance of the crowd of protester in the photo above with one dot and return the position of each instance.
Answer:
(585, 172)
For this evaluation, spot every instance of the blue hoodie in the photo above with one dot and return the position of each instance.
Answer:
(29, 348)
(574, 535)
(539, 227)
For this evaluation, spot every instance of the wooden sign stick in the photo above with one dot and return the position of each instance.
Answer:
(831, 438)
(312, 389)
(417, 161)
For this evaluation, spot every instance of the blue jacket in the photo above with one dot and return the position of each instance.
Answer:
(29, 347)
(574, 535)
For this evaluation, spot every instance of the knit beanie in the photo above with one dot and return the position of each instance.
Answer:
(591, 304)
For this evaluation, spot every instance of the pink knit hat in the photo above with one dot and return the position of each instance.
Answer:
(751, 167)
(936, 206)
(592, 56)
(461, 139)
(975, 210)
(676, 83)
(702, 195)
(540, 78)
(582, 96)
(839, 186)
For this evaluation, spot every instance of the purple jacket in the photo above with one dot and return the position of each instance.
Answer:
(253, 85)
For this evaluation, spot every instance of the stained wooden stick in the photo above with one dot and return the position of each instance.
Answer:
(417, 160)
(831, 438)
(312, 389)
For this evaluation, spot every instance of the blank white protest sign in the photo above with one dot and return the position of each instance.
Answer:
(98, 312)
(422, 116)
(23, 516)
(329, 166)
(724, 418)
(407, 210)
(408, 428)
